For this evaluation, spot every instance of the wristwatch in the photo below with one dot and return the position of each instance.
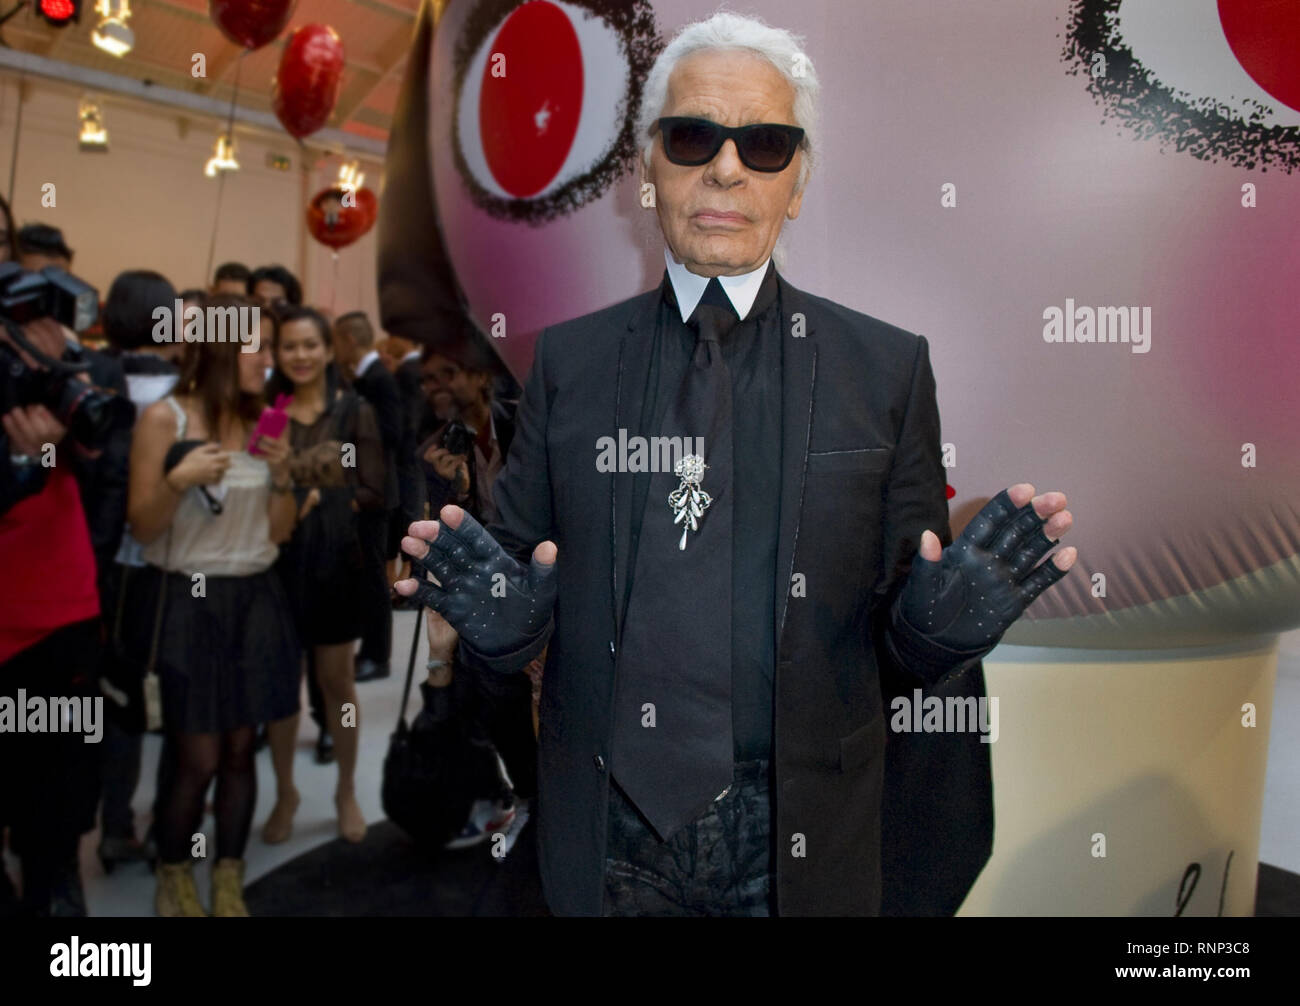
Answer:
(28, 475)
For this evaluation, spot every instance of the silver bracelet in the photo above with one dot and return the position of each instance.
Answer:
(432, 664)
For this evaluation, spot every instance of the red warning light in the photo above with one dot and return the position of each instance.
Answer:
(58, 12)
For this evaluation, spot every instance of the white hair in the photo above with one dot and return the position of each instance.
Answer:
(727, 30)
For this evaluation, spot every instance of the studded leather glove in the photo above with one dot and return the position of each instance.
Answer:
(957, 608)
(501, 608)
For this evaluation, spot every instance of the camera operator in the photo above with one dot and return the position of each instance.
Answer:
(100, 467)
(40, 245)
(49, 632)
(461, 461)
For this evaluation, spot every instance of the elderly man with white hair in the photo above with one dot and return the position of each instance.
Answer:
(724, 510)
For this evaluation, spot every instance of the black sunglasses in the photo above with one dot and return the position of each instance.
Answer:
(764, 146)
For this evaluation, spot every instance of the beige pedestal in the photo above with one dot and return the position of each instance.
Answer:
(1114, 771)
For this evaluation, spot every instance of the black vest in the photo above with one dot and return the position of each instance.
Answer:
(752, 351)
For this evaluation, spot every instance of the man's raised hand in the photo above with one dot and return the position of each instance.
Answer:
(497, 604)
(965, 596)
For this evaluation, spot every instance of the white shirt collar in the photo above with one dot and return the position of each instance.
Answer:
(364, 363)
(412, 355)
(689, 287)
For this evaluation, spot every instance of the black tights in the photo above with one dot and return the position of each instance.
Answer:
(199, 757)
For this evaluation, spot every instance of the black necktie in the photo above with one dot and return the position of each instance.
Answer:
(673, 751)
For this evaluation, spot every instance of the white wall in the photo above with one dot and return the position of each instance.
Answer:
(146, 204)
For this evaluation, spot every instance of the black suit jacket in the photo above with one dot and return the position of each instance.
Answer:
(410, 491)
(899, 826)
(378, 387)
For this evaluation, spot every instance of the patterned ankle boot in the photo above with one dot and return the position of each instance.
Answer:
(228, 889)
(177, 896)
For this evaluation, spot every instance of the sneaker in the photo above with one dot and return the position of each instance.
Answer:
(486, 818)
(372, 670)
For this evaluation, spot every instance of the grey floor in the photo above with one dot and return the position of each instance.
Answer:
(129, 890)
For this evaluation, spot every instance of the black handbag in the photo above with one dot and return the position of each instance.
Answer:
(433, 774)
(128, 681)
(328, 539)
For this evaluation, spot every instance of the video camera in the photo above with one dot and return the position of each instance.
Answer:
(89, 413)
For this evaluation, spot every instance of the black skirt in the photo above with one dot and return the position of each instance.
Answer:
(227, 659)
(331, 592)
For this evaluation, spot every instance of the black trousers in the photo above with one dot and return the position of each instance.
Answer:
(125, 601)
(501, 710)
(719, 864)
(119, 775)
(49, 782)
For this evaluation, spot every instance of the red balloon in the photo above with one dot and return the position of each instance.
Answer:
(307, 85)
(336, 224)
(250, 23)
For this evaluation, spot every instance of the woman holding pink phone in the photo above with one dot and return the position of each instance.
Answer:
(336, 435)
(222, 638)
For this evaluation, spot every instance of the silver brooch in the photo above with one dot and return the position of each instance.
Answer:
(688, 500)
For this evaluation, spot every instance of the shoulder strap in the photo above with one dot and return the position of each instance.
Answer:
(182, 421)
(121, 605)
(158, 612)
(410, 668)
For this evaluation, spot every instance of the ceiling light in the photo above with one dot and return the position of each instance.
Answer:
(92, 136)
(350, 175)
(223, 157)
(113, 35)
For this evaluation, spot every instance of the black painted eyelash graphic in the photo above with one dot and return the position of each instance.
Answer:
(1130, 94)
(634, 25)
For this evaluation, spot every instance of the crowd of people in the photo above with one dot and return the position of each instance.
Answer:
(204, 562)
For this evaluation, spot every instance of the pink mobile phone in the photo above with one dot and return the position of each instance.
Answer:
(271, 423)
